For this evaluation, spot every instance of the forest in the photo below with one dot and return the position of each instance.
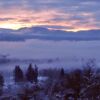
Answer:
(52, 84)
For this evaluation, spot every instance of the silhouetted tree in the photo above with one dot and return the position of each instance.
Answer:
(91, 82)
(36, 74)
(30, 74)
(1, 80)
(75, 82)
(88, 76)
(1, 84)
(62, 73)
(18, 74)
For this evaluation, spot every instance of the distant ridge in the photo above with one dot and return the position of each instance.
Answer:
(46, 34)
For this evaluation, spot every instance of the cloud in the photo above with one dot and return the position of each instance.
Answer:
(75, 14)
(6, 19)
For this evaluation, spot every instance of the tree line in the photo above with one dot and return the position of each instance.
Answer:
(31, 74)
(79, 84)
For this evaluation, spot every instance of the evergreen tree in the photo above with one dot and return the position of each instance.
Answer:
(62, 73)
(1, 84)
(30, 74)
(36, 74)
(74, 82)
(1, 80)
(18, 74)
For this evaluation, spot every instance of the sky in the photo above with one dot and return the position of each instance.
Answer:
(67, 15)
